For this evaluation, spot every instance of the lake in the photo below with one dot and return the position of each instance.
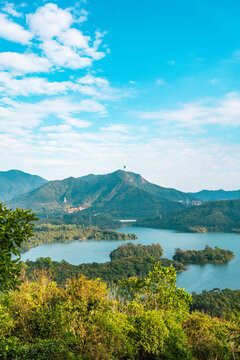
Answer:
(196, 278)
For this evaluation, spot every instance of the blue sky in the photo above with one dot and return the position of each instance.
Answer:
(90, 86)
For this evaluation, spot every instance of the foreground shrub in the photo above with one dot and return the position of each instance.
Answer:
(146, 319)
(43, 350)
(211, 338)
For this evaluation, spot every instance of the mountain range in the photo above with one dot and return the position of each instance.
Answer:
(121, 194)
(15, 182)
(214, 195)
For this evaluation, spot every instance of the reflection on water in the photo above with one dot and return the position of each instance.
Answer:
(196, 278)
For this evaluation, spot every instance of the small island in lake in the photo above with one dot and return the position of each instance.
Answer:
(126, 261)
(48, 233)
(208, 255)
(130, 249)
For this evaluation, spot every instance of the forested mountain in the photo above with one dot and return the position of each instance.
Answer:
(212, 216)
(121, 194)
(15, 182)
(213, 195)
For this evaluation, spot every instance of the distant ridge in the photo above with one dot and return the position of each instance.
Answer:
(16, 182)
(213, 195)
(213, 216)
(120, 193)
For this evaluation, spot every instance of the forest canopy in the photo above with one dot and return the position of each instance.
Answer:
(142, 319)
(208, 255)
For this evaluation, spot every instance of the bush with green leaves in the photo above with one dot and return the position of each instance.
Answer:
(146, 319)
(16, 227)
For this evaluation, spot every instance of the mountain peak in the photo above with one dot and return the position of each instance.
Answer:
(128, 175)
(16, 182)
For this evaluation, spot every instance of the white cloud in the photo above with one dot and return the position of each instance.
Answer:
(10, 9)
(143, 129)
(93, 51)
(115, 128)
(80, 15)
(16, 115)
(90, 86)
(101, 89)
(225, 112)
(63, 45)
(74, 37)
(33, 86)
(23, 63)
(12, 31)
(56, 128)
(91, 106)
(64, 56)
(83, 16)
(78, 123)
(49, 21)
(92, 80)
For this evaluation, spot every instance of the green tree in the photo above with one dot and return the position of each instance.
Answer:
(16, 227)
(157, 291)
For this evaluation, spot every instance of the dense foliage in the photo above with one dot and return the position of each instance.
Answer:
(128, 260)
(16, 227)
(216, 302)
(131, 249)
(102, 221)
(47, 233)
(222, 216)
(208, 255)
(145, 319)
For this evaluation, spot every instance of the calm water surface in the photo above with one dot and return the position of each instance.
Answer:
(196, 278)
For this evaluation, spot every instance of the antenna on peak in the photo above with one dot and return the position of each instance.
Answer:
(124, 167)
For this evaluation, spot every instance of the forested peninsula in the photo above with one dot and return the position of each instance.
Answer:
(48, 233)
